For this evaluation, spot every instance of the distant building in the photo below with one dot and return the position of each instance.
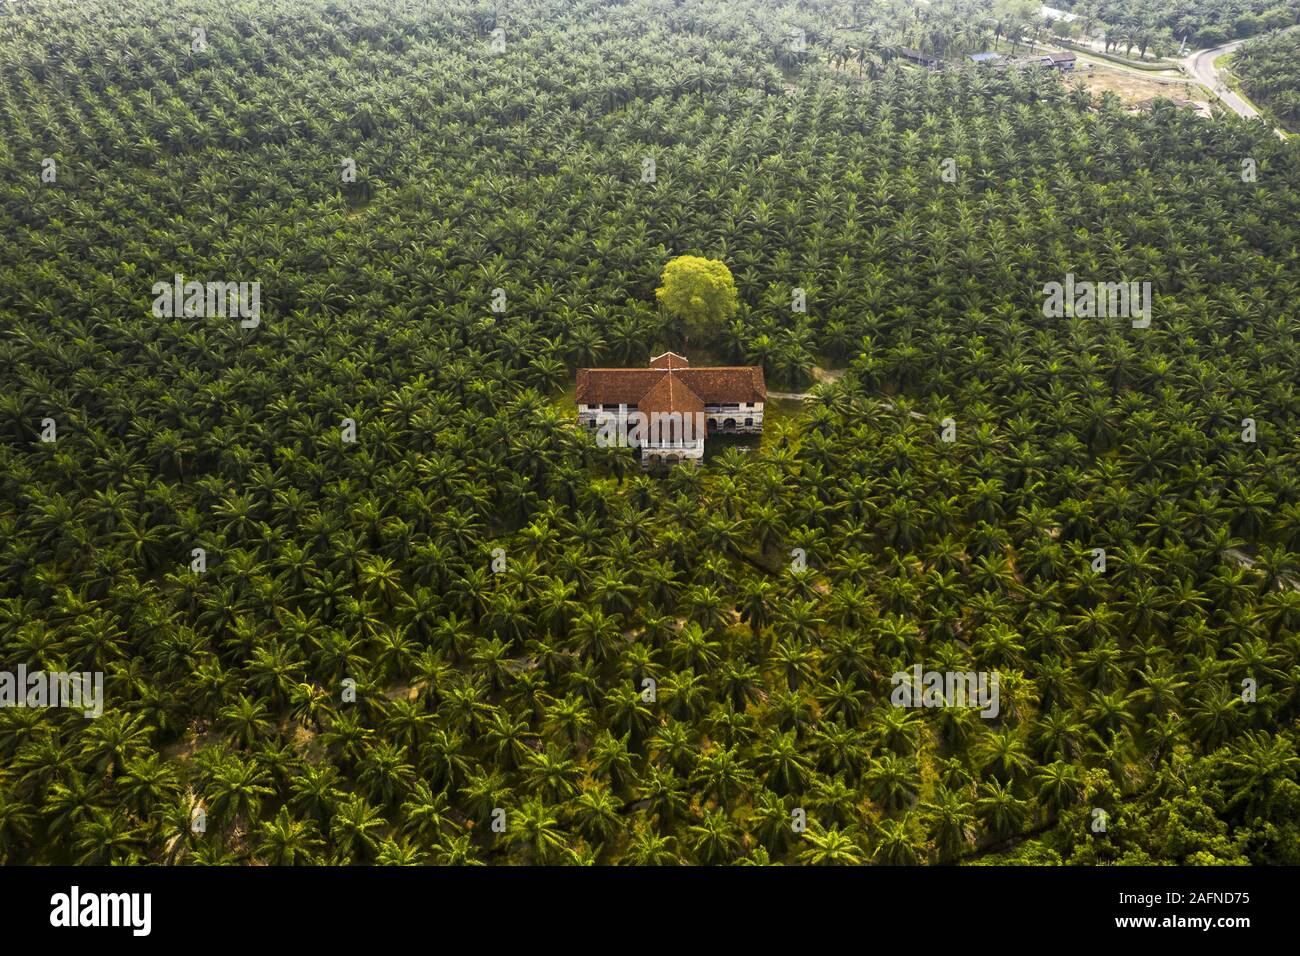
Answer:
(1062, 61)
(922, 59)
(1057, 61)
(986, 58)
(1051, 13)
(1023, 62)
(675, 405)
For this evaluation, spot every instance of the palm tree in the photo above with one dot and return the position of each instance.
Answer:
(952, 828)
(539, 829)
(356, 829)
(351, 679)
(893, 782)
(1001, 811)
(286, 841)
(896, 844)
(714, 838)
(106, 838)
(830, 848)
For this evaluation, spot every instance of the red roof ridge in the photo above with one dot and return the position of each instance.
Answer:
(669, 360)
(706, 384)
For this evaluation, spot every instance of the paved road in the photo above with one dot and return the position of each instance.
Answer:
(1201, 65)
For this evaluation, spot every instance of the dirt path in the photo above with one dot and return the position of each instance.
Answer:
(824, 375)
(821, 377)
(1246, 561)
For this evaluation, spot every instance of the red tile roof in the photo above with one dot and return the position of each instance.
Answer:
(671, 385)
(670, 394)
(669, 360)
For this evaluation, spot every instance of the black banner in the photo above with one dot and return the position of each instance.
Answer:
(359, 906)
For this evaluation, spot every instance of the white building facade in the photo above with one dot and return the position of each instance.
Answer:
(669, 409)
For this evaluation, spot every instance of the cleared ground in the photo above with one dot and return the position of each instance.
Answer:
(1133, 89)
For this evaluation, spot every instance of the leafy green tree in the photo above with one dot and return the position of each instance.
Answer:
(700, 293)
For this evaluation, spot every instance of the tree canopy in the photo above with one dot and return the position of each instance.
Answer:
(1269, 68)
(1201, 23)
(700, 293)
(430, 605)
